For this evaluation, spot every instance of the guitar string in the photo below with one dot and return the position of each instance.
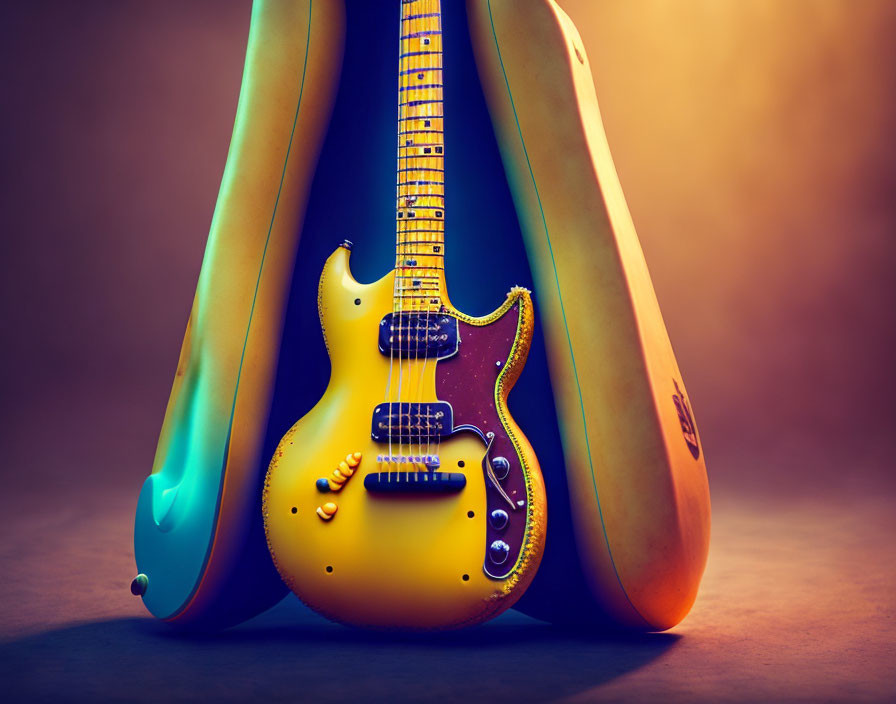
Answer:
(398, 274)
(423, 421)
(441, 63)
(403, 327)
(399, 290)
(391, 332)
(428, 191)
(405, 321)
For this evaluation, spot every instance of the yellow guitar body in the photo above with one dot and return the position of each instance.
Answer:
(383, 560)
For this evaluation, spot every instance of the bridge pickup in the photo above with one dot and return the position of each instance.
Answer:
(424, 335)
(415, 482)
(411, 422)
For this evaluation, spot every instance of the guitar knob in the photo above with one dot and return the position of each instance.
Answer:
(498, 519)
(498, 551)
(501, 465)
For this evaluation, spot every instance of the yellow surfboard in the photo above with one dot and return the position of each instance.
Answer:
(198, 535)
(637, 481)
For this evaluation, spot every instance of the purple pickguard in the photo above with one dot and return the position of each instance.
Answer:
(467, 381)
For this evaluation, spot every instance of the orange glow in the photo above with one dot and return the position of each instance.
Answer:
(754, 141)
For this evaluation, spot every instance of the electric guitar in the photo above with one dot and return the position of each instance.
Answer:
(602, 400)
(408, 497)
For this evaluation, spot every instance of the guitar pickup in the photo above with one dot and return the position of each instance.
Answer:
(422, 334)
(411, 422)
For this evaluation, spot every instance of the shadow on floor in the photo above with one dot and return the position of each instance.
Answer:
(291, 654)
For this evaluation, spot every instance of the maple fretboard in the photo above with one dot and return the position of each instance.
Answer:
(420, 206)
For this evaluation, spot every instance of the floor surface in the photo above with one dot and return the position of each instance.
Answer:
(797, 604)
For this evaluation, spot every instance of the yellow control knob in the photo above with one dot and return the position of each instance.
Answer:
(327, 511)
(345, 469)
(339, 476)
(353, 460)
(356, 456)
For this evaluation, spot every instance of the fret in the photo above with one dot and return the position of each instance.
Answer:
(419, 70)
(405, 257)
(422, 88)
(418, 17)
(424, 33)
(419, 115)
(421, 168)
(412, 190)
(415, 103)
(405, 191)
(408, 193)
(412, 199)
(419, 53)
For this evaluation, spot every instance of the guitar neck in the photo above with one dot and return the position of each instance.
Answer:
(420, 206)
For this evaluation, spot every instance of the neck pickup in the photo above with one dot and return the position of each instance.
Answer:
(418, 335)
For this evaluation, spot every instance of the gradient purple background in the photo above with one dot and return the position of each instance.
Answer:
(755, 141)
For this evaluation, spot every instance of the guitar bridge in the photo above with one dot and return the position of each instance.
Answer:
(415, 482)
